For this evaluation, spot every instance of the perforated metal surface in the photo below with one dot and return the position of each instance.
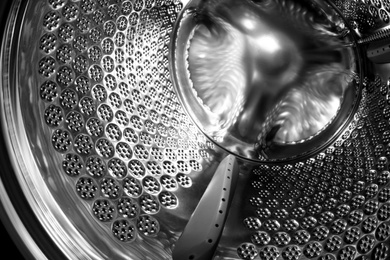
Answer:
(127, 166)
(366, 16)
(109, 100)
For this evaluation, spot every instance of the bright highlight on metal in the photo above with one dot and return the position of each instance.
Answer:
(258, 76)
(203, 129)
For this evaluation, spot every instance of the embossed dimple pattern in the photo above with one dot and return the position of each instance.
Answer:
(366, 16)
(337, 203)
(108, 101)
(128, 149)
(124, 230)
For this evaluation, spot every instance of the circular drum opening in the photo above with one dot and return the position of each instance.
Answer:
(101, 103)
(266, 80)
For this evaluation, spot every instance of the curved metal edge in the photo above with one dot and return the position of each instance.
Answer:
(15, 227)
(23, 227)
(277, 153)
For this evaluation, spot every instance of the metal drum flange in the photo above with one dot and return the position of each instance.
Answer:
(221, 129)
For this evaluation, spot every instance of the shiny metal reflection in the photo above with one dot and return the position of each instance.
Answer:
(101, 105)
(258, 74)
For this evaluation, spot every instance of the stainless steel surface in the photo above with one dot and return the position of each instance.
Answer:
(106, 151)
(118, 159)
(258, 75)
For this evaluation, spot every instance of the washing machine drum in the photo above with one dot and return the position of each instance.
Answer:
(200, 129)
